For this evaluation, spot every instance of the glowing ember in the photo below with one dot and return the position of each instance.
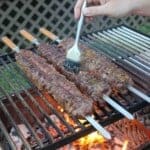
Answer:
(60, 109)
(126, 134)
(125, 145)
(91, 140)
(66, 116)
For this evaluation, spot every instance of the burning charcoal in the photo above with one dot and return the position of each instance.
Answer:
(16, 139)
(24, 130)
(58, 122)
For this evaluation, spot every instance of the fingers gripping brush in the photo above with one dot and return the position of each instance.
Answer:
(72, 62)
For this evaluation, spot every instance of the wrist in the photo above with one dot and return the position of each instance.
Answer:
(140, 4)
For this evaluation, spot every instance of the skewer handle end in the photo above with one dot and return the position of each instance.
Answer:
(49, 34)
(29, 37)
(10, 44)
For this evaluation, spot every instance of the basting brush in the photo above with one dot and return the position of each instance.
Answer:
(72, 62)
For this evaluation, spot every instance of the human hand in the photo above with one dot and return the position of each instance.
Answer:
(113, 8)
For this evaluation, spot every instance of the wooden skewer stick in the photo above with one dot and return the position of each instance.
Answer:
(10, 44)
(93, 122)
(28, 36)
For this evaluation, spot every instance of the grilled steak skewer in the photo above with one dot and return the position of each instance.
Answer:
(44, 76)
(98, 88)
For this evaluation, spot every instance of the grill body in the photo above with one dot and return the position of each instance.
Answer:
(22, 103)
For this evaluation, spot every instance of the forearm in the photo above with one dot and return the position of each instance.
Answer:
(141, 7)
(140, 4)
(114, 8)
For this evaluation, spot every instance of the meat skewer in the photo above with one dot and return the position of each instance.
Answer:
(128, 85)
(45, 77)
(95, 87)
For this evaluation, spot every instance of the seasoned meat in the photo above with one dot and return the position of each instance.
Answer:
(44, 76)
(98, 75)
(84, 80)
(101, 67)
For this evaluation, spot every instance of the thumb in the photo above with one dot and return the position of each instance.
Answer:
(97, 10)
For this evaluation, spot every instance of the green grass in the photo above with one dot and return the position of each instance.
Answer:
(144, 29)
(10, 77)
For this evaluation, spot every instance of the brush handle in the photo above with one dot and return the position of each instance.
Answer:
(29, 37)
(10, 44)
(80, 23)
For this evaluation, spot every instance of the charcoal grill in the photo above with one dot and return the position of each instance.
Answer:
(22, 103)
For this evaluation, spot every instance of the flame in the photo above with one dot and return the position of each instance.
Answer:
(66, 116)
(82, 121)
(89, 141)
(94, 137)
(125, 145)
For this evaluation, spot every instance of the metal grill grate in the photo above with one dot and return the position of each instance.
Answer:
(56, 15)
(126, 47)
(30, 107)
(27, 105)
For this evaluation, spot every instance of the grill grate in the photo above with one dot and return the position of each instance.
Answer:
(33, 108)
(107, 116)
(125, 46)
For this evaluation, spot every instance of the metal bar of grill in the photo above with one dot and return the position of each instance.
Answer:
(25, 121)
(27, 106)
(26, 144)
(132, 61)
(3, 128)
(136, 34)
(122, 44)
